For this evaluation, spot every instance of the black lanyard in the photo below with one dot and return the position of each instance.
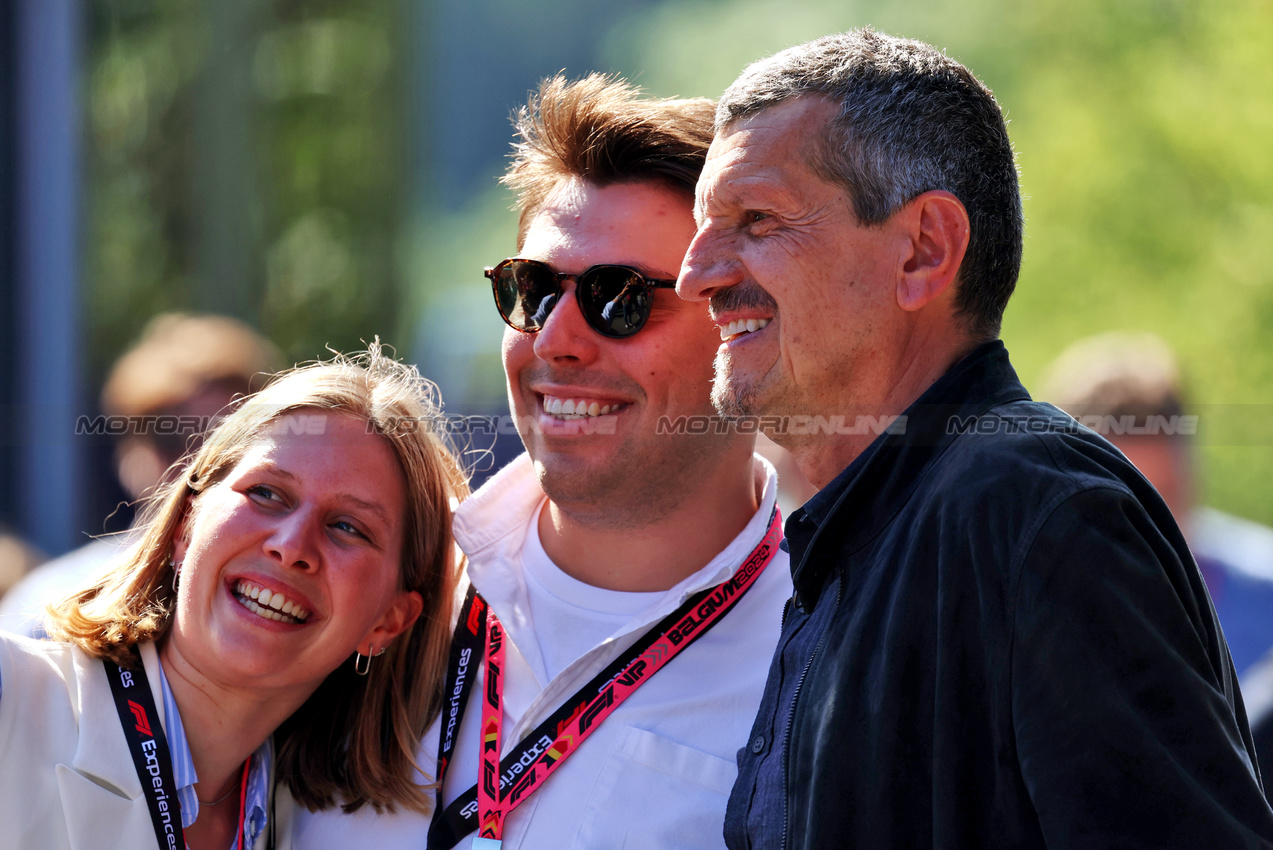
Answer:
(527, 764)
(140, 720)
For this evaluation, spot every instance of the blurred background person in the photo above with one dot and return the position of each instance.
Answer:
(17, 558)
(1128, 388)
(183, 370)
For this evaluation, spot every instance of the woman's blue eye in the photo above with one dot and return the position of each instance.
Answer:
(263, 491)
(350, 528)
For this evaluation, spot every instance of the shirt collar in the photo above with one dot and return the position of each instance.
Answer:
(260, 773)
(490, 527)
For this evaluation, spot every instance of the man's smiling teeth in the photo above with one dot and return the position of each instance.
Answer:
(741, 326)
(576, 408)
(269, 603)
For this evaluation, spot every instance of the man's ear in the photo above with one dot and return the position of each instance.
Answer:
(938, 227)
(397, 618)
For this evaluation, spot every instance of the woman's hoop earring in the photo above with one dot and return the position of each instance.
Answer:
(362, 664)
(176, 575)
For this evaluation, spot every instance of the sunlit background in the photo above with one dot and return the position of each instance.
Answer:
(326, 170)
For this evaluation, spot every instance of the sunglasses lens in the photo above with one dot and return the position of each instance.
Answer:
(615, 301)
(525, 293)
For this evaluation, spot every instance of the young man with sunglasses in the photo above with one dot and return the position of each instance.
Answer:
(627, 585)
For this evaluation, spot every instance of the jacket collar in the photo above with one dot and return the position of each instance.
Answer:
(102, 753)
(873, 488)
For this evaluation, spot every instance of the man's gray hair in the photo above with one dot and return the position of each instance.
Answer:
(911, 120)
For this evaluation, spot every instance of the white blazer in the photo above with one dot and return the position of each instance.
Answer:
(66, 777)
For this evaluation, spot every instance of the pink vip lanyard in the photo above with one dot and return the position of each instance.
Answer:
(490, 810)
(504, 783)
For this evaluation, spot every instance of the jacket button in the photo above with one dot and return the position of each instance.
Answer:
(758, 744)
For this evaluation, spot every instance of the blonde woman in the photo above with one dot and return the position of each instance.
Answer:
(276, 637)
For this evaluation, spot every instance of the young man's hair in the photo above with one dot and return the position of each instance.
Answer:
(599, 129)
(911, 120)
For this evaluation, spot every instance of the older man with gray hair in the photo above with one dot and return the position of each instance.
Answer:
(998, 637)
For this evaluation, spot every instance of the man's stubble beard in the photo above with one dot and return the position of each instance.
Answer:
(732, 397)
(738, 398)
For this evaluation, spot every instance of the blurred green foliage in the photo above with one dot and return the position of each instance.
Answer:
(457, 342)
(1141, 126)
(244, 157)
(1142, 130)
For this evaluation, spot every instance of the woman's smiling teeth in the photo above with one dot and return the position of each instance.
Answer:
(269, 604)
(740, 327)
(576, 408)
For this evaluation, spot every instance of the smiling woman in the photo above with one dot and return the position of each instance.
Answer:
(284, 616)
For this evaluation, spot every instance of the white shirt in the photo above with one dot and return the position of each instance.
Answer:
(657, 772)
(570, 617)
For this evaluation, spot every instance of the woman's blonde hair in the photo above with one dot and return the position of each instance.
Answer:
(355, 739)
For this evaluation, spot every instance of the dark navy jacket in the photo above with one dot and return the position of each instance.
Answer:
(998, 639)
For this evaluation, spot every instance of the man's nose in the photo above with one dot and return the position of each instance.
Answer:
(565, 334)
(709, 266)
